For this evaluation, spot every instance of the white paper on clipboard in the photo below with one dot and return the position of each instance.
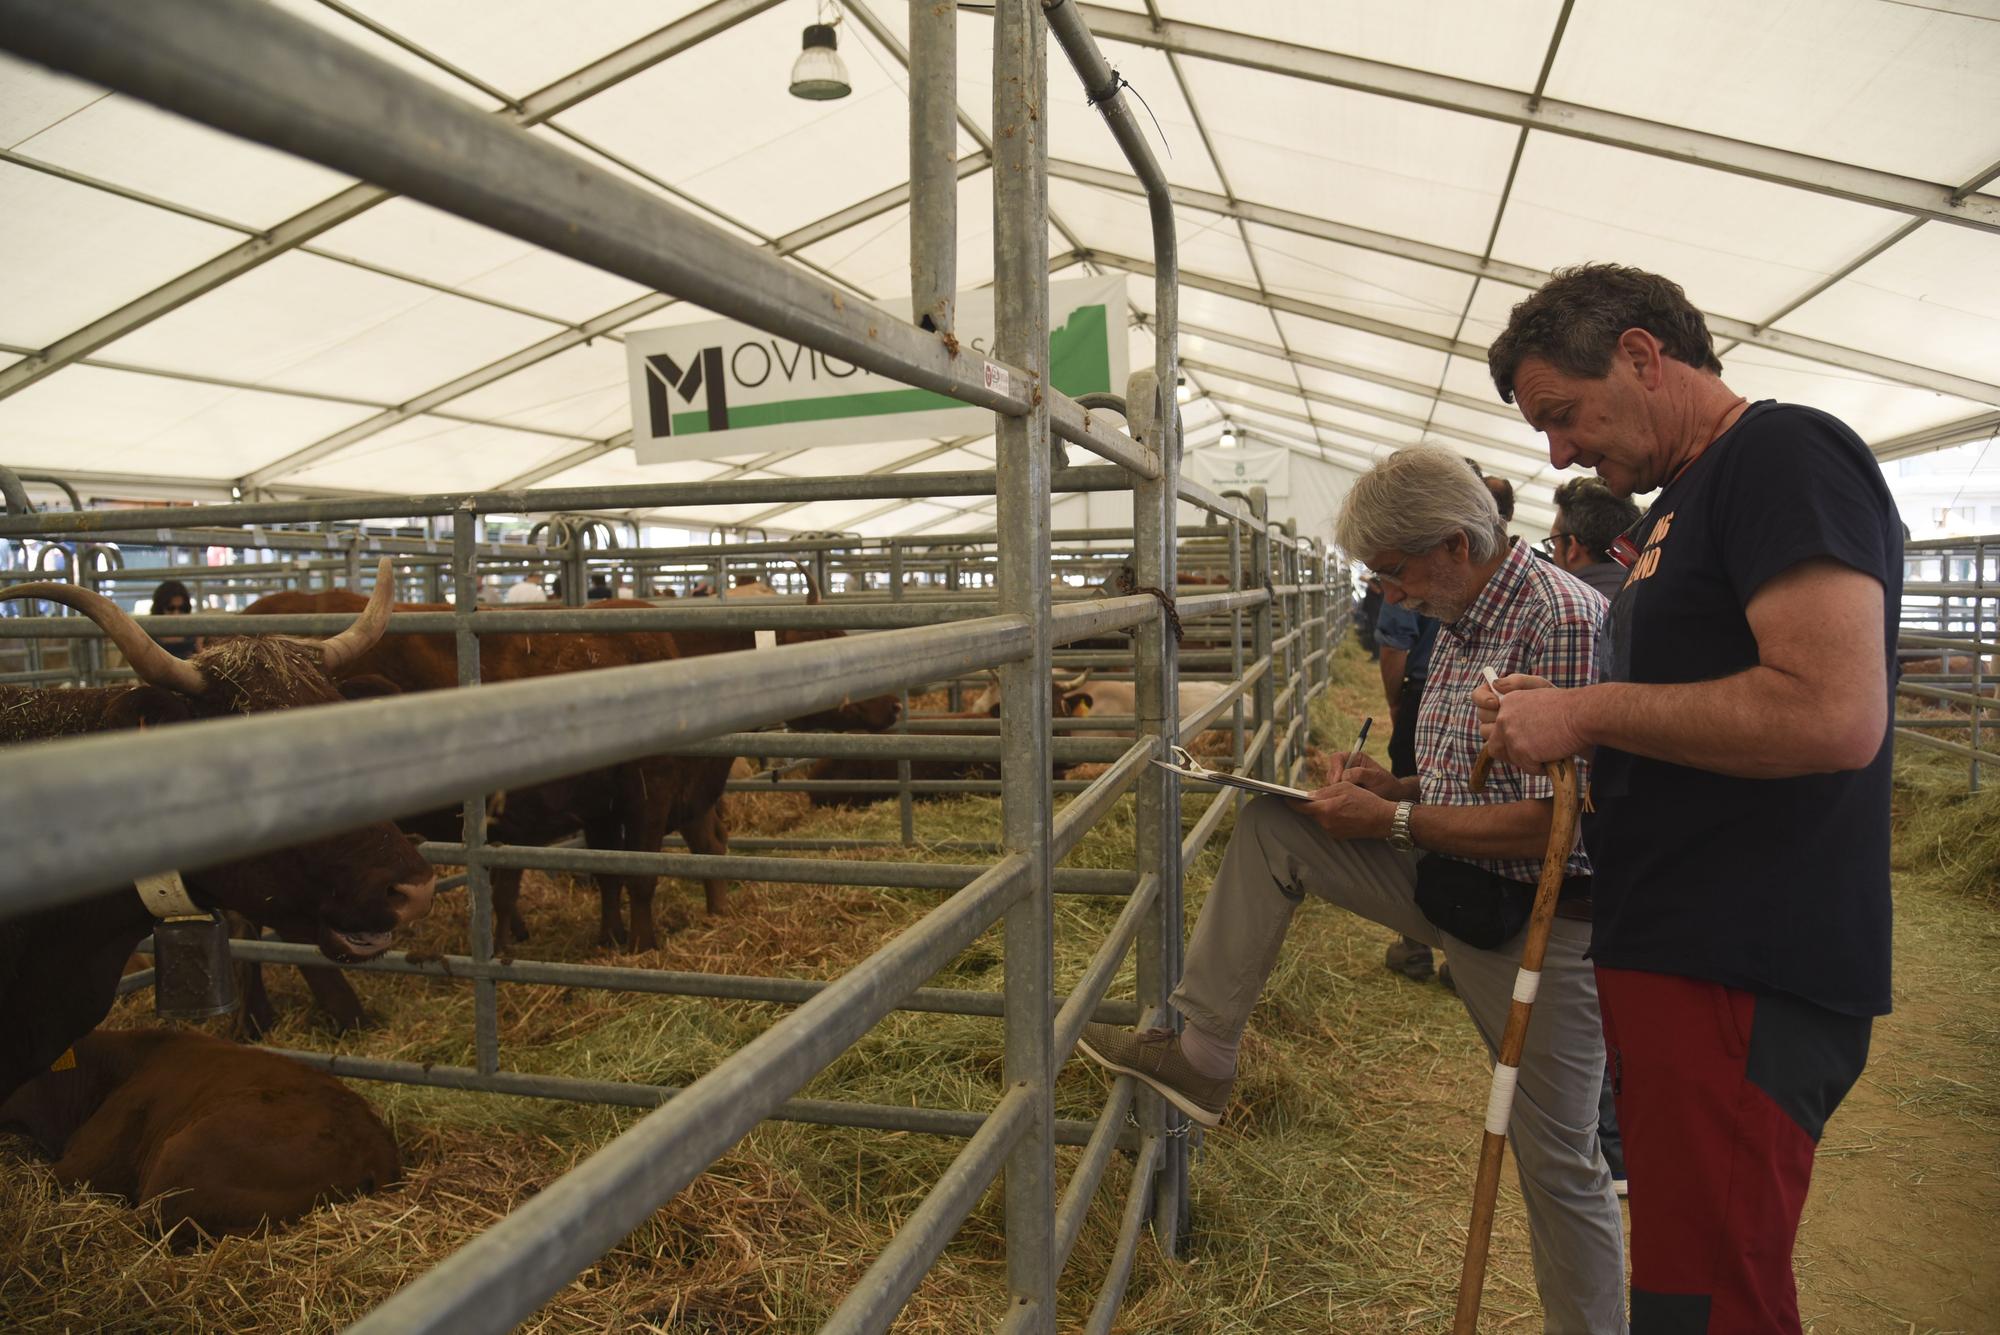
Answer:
(1190, 768)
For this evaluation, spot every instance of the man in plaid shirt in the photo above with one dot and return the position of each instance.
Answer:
(1430, 858)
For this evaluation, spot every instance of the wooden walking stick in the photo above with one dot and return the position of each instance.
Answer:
(1500, 1103)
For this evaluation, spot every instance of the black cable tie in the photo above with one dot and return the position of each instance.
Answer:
(1166, 601)
(1119, 81)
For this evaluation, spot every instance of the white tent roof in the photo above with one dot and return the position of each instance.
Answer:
(1367, 186)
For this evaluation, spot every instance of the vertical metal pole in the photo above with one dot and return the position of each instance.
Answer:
(352, 555)
(1158, 803)
(1979, 637)
(1294, 643)
(933, 162)
(1260, 577)
(1236, 711)
(955, 698)
(433, 573)
(90, 652)
(576, 567)
(1021, 271)
(478, 881)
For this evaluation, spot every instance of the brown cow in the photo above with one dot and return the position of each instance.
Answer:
(59, 966)
(986, 706)
(631, 806)
(224, 1138)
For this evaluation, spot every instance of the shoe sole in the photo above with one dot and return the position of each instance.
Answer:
(1164, 1090)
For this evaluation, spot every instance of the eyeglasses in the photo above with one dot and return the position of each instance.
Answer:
(1393, 575)
(1547, 546)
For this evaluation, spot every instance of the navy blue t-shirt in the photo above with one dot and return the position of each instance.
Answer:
(1774, 885)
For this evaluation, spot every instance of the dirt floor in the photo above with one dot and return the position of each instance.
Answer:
(1332, 1200)
(1902, 1230)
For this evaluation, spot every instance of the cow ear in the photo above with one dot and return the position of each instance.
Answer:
(148, 707)
(368, 686)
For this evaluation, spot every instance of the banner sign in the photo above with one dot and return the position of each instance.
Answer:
(720, 388)
(1243, 467)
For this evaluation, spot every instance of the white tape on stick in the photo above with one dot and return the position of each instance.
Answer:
(1500, 1103)
(1526, 983)
(767, 639)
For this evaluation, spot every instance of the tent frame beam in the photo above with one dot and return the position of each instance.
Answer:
(1724, 327)
(602, 325)
(1369, 410)
(712, 19)
(1492, 408)
(1801, 171)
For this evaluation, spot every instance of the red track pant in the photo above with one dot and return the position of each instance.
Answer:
(1721, 1096)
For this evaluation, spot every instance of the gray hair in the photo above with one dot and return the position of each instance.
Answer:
(1415, 499)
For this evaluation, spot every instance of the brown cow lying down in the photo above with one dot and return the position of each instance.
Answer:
(926, 771)
(347, 893)
(225, 1138)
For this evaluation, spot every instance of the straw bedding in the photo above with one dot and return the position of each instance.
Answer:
(1333, 1199)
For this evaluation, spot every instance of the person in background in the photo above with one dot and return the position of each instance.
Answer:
(1589, 517)
(1431, 858)
(1367, 613)
(1742, 741)
(528, 591)
(1503, 495)
(169, 600)
(600, 589)
(1405, 638)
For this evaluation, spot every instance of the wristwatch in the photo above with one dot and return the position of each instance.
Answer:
(1399, 828)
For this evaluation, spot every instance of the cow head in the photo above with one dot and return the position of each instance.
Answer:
(1064, 699)
(351, 890)
(876, 713)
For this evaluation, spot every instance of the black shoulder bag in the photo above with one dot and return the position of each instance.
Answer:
(1480, 907)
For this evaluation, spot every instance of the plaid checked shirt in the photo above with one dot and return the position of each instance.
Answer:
(1531, 617)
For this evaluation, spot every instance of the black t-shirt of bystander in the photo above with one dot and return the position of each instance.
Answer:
(1773, 885)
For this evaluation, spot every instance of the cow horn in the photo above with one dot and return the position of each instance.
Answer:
(812, 585)
(1073, 683)
(154, 665)
(360, 637)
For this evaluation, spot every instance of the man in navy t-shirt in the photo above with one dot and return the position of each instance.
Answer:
(1741, 792)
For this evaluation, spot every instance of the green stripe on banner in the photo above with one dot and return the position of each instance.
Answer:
(1080, 354)
(880, 403)
(1078, 351)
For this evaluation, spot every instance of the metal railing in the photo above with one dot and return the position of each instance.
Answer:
(1946, 644)
(266, 781)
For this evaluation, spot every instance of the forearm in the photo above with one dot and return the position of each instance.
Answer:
(1757, 724)
(1494, 830)
(1408, 789)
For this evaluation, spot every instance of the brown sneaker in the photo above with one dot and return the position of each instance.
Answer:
(1410, 958)
(1155, 1058)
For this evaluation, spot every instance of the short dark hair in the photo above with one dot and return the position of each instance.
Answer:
(1594, 513)
(170, 589)
(1503, 496)
(1574, 321)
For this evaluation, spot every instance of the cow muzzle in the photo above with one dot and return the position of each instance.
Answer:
(408, 901)
(411, 900)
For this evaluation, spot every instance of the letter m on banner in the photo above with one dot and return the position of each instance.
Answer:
(703, 373)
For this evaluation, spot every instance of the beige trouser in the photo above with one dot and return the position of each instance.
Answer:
(1277, 857)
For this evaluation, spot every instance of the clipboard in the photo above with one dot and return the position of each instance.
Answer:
(1190, 768)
